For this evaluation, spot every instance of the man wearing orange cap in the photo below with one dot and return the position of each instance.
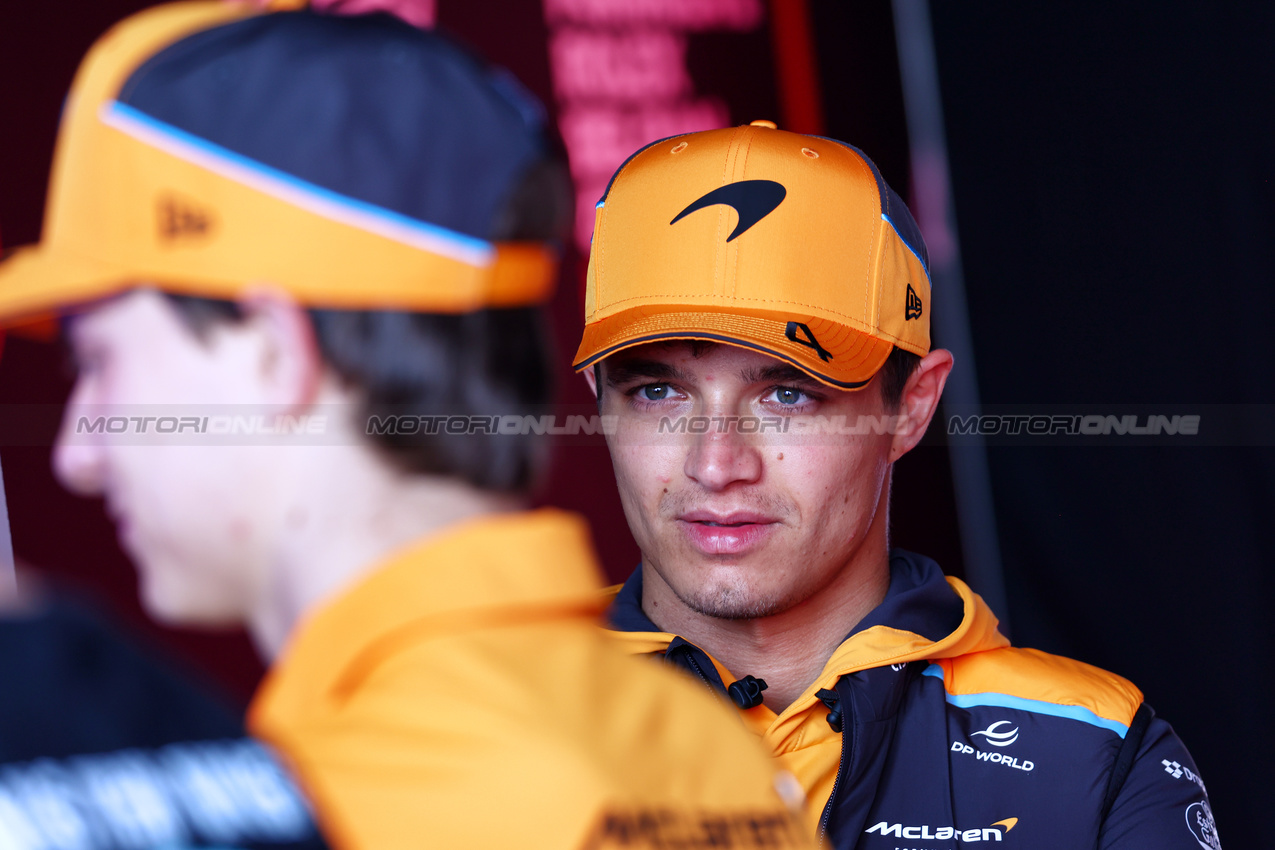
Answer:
(757, 320)
(300, 258)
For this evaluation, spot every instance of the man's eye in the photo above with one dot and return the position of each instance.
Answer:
(788, 395)
(654, 392)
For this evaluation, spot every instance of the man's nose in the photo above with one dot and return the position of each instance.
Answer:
(79, 462)
(723, 456)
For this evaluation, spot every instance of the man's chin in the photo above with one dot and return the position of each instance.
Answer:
(184, 607)
(732, 602)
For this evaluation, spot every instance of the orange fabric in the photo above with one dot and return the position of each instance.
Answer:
(1031, 674)
(461, 696)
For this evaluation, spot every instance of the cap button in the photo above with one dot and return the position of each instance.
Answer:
(770, 125)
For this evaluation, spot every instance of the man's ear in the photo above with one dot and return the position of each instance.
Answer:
(920, 401)
(291, 365)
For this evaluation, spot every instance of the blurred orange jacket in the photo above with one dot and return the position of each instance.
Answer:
(462, 696)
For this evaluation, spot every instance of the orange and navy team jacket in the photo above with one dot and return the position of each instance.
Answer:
(927, 730)
(461, 695)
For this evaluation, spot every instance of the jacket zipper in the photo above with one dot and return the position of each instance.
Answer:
(690, 659)
(836, 781)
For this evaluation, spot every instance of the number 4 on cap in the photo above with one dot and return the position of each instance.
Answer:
(809, 341)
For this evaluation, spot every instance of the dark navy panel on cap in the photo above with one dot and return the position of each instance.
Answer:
(906, 227)
(368, 107)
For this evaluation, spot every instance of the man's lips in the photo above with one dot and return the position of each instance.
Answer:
(732, 533)
(731, 518)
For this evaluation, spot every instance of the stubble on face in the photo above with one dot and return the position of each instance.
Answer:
(727, 592)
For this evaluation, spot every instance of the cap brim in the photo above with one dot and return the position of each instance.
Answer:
(36, 283)
(833, 354)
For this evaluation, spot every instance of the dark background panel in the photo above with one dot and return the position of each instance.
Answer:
(863, 104)
(1113, 185)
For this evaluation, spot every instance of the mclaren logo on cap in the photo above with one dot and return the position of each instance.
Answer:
(752, 199)
(912, 310)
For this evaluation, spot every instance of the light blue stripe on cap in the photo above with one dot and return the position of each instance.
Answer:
(298, 192)
(1072, 712)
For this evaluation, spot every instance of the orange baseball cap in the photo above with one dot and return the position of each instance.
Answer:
(784, 243)
(355, 163)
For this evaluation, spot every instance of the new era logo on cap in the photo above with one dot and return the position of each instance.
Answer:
(180, 217)
(912, 310)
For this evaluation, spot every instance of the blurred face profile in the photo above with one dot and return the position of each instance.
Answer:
(752, 516)
(190, 516)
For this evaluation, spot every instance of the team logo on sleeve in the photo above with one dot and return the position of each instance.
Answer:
(1199, 819)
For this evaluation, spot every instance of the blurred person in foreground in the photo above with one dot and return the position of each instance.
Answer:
(757, 319)
(329, 230)
(106, 742)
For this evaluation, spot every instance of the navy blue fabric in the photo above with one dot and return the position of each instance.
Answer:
(919, 599)
(941, 772)
(103, 746)
(689, 657)
(74, 685)
(625, 613)
(906, 226)
(368, 107)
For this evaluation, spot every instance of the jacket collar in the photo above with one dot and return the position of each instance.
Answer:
(925, 615)
(625, 613)
(489, 570)
(918, 601)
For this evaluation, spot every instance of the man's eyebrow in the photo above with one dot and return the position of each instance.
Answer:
(777, 373)
(629, 370)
